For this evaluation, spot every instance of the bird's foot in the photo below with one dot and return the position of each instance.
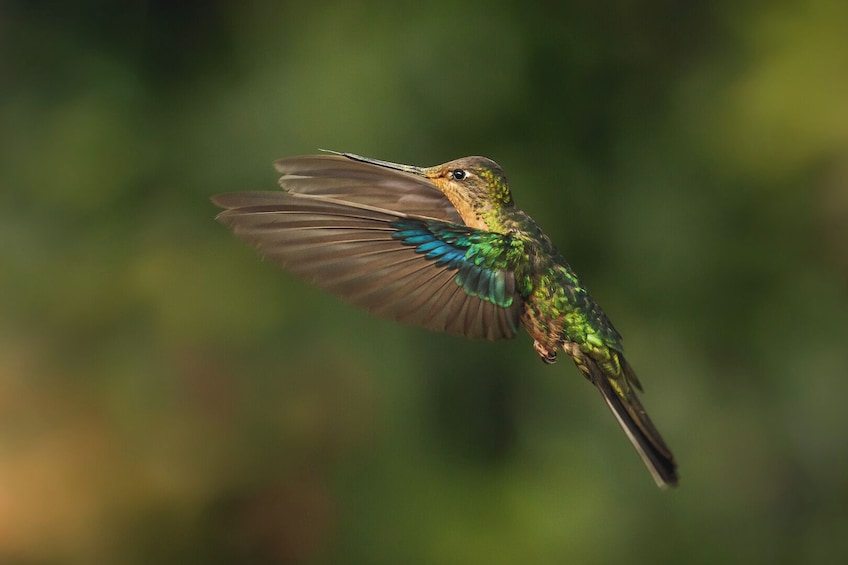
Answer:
(546, 355)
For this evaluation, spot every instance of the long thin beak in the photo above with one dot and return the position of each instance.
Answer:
(397, 166)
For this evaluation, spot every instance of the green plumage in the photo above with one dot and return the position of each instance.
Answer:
(443, 248)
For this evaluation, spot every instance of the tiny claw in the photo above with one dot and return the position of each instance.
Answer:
(548, 357)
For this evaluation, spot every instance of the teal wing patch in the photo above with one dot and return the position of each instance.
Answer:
(483, 260)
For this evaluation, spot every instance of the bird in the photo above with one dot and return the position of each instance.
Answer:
(444, 248)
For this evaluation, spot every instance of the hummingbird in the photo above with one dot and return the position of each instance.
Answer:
(443, 248)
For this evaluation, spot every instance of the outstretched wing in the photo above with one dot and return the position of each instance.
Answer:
(344, 179)
(430, 273)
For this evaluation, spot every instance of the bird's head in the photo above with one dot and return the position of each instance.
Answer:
(476, 186)
(477, 181)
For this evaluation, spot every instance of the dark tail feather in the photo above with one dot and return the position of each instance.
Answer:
(636, 424)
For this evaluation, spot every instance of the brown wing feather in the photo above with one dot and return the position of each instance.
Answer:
(343, 179)
(348, 249)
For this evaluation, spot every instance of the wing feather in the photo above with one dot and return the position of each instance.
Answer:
(353, 250)
(343, 179)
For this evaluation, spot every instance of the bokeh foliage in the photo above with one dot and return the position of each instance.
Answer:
(165, 396)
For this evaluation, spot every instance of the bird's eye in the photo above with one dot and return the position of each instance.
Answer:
(459, 174)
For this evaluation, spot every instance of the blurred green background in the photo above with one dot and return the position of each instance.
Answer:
(166, 396)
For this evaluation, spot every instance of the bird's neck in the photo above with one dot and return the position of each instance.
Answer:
(484, 215)
(474, 213)
(481, 213)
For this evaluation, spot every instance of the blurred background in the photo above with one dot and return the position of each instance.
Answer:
(166, 396)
